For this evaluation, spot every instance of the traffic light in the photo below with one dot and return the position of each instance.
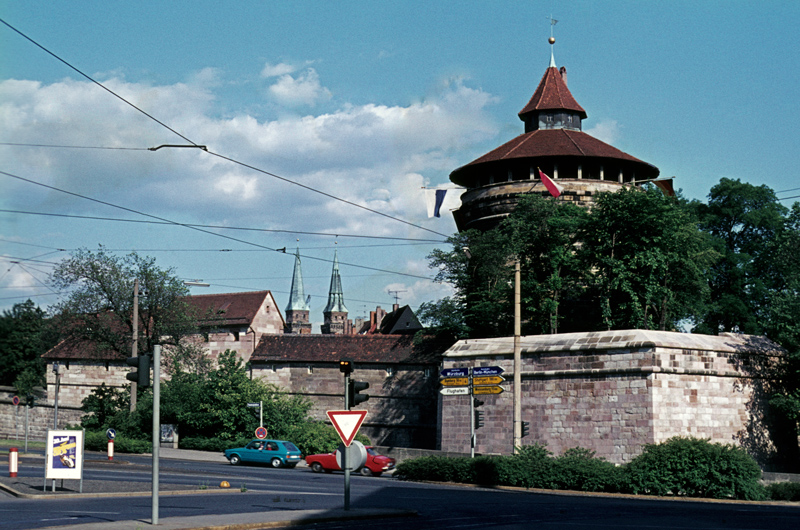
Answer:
(353, 396)
(478, 419)
(525, 428)
(142, 374)
(346, 366)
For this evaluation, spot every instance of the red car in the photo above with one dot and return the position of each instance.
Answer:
(375, 466)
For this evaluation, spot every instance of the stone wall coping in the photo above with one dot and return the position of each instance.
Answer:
(633, 339)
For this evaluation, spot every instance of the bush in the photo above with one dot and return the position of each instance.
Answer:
(531, 467)
(217, 445)
(694, 468)
(98, 441)
(437, 469)
(784, 491)
(579, 469)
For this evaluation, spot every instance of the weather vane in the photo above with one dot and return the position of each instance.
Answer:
(553, 22)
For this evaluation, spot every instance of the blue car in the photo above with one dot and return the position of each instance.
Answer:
(276, 453)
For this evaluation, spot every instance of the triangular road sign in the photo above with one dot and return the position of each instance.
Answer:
(346, 423)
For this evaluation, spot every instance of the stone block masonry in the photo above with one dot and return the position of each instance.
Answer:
(610, 392)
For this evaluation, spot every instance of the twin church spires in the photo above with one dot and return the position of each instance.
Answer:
(335, 313)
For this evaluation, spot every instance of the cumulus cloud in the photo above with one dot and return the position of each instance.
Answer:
(373, 155)
(276, 70)
(302, 89)
(607, 131)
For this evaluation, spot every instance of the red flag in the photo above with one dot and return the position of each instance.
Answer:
(554, 189)
(665, 186)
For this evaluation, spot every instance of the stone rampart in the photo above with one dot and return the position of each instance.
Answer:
(610, 392)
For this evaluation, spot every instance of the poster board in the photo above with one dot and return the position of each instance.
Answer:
(64, 455)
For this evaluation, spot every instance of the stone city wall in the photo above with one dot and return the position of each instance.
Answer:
(611, 397)
(402, 404)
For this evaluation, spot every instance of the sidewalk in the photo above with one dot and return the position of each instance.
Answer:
(31, 488)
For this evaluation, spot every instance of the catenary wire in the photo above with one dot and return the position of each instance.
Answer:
(293, 232)
(201, 229)
(210, 152)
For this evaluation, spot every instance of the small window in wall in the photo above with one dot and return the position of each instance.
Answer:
(310, 369)
(427, 372)
(389, 371)
(236, 336)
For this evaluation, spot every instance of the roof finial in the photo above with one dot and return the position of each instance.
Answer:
(552, 41)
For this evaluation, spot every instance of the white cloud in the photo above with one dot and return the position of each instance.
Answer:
(374, 155)
(275, 70)
(608, 131)
(304, 89)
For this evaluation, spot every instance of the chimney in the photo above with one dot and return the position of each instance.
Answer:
(563, 72)
(395, 307)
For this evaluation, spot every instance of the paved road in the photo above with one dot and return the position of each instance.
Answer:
(280, 497)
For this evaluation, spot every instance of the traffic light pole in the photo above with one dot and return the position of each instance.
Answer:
(517, 439)
(156, 426)
(346, 452)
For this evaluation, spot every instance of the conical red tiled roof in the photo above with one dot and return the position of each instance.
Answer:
(552, 94)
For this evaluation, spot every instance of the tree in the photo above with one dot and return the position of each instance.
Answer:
(542, 234)
(212, 404)
(636, 260)
(24, 336)
(743, 219)
(99, 308)
(645, 260)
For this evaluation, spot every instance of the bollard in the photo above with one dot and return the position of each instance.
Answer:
(13, 455)
(111, 449)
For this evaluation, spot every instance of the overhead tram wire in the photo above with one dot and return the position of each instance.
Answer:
(194, 144)
(176, 223)
(222, 227)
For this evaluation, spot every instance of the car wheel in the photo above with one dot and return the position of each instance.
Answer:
(365, 471)
(234, 459)
(276, 462)
(316, 467)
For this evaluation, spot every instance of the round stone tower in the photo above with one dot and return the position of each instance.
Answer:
(554, 143)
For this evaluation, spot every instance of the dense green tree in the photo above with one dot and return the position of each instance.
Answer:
(743, 219)
(25, 334)
(636, 260)
(99, 307)
(544, 236)
(645, 260)
(480, 267)
(213, 403)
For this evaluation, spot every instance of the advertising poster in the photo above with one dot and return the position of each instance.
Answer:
(64, 455)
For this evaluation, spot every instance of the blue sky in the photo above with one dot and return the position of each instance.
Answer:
(366, 101)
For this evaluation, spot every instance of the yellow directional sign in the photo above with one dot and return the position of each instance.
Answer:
(488, 380)
(455, 381)
(487, 390)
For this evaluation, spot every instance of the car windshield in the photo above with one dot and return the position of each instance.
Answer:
(372, 451)
(290, 446)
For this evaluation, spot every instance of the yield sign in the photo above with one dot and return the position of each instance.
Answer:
(346, 423)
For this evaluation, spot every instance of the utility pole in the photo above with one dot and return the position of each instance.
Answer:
(517, 360)
(135, 347)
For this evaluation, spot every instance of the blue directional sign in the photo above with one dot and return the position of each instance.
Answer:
(487, 370)
(455, 372)
(111, 434)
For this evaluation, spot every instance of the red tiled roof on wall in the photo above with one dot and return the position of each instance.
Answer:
(332, 348)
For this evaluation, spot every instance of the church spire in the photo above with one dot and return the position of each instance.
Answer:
(297, 311)
(335, 294)
(297, 298)
(335, 313)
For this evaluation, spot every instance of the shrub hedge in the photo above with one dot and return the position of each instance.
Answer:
(784, 491)
(679, 466)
